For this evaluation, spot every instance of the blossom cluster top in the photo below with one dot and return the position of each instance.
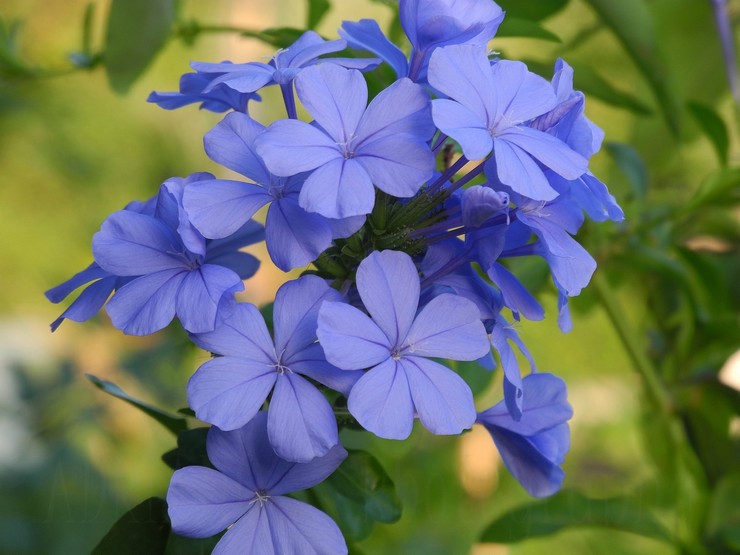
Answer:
(402, 210)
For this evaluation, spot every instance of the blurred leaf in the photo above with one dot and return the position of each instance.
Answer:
(516, 27)
(572, 509)
(144, 529)
(534, 11)
(719, 187)
(586, 79)
(713, 127)
(477, 377)
(87, 30)
(173, 423)
(362, 479)
(190, 451)
(180, 545)
(632, 165)
(11, 64)
(316, 11)
(723, 521)
(353, 520)
(632, 23)
(280, 37)
(137, 30)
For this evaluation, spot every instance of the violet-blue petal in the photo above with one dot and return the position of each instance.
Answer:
(228, 391)
(443, 401)
(381, 401)
(245, 78)
(146, 304)
(301, 424)
(299, 476)
(401, 108)
(388, 283)
(62, 291)
(202, 502)
(516, 296)
(397, 165)
(250, 535)
(289, 147)
(341, 188)
(520, 94)
(464, 126)
(335, 97)
(449, 326)
(296, 310)
(243, 334)
(231, 144)
(344, 227)
(311, 362)
(517, 169)
(367, 35)
(89, 302)
(241, 263)
(131, 244)
(298, 527)
(294, 237)
(200, 293)
(350, 339)
(550, 151)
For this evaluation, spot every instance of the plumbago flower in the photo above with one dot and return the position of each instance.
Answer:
(229, 390)
(247, 493)
(406, 248)
(396, 343)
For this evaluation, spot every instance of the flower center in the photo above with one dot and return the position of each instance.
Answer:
(261, 497)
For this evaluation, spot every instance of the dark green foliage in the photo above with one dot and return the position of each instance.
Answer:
(143, 529)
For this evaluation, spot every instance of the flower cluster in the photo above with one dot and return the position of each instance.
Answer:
(403, 210)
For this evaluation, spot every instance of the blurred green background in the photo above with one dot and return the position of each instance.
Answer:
(72, 459)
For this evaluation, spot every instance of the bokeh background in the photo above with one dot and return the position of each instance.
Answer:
(72, 459)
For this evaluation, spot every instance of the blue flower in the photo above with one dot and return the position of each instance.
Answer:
(192, 86)
(217, 207)
(229, 390)
(534, 446)
(395, 344)
(284, 66)
(351, 148)
(247, 493)
(175, 270)
(486, 110)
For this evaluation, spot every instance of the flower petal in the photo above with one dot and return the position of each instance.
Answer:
(551, 152)
(202, 502)
(381, 401)
(299, 476)
(289, 147)
(300, 423)
(397, 165)
(517, 169)
(311, 362)
(295, 237)
(443, 401)
(231, 144)
(298, 527)
(338, 189)
(467, 128)
(228, 391)
(351, 340)
(243, 334)
(388, 283)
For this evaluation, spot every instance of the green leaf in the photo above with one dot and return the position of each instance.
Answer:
(362, 479)
(190, 450)
(316, 11)
(137, 30)
(571, 509)
(720, 187)
(477, 377)
(180, 545)
(516, 27)
(632, 165)
(280, 37)
(144, 529)
(528, 9)
(632, 23)
(723, 521)
(173, 423)
(586, 79)
(713, 127)
(353, 520)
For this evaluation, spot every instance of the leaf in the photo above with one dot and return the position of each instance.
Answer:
(570, 509)
(316, 11)
(713, 127)
(632, 23)
(632, 165)
(362, 479)
(190, 450)
(723, 521)
(173, 423)
(592, 84)
(143, 529)
(477, 377)
(533, 11)
(180, 545)
(280, 37)
(137, 30)
(516, 27)
(718, 188)
(353, 520)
